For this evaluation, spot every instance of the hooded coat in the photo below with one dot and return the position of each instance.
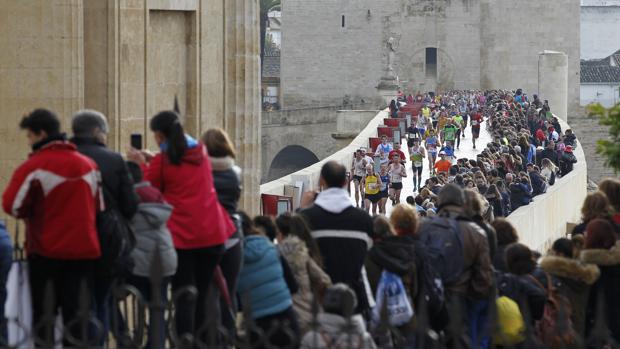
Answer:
(524, 291)
(332, 334)
(262, 279)
(339, 228)
(149, 227)
(605, 289)
(309, 276)
(575, 280)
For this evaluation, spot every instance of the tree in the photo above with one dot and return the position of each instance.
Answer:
(610, 147)
(265, 7)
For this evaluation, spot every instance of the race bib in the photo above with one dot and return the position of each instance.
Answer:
(395, 178)
(372, 186)
(474, 123)
(417, 163)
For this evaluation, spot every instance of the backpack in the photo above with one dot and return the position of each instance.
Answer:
(444, 247)
(392, 298)
(433, 296)
(116, 239)
(510, 328)
(555, 328)
(552, 179)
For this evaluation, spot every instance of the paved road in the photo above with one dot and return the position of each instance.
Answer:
(466, 151)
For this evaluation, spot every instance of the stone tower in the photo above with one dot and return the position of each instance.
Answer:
(129, 59)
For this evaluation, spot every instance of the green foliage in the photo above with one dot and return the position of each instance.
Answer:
(610, 147)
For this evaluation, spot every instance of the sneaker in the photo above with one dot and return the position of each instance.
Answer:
(474, 146)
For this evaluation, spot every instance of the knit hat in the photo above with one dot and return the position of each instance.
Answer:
(600, 234)
(451, 194)
(569, 149)
(340, 299)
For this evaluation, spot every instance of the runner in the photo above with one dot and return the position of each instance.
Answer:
(422, 123)
(476, 120)
(372, 188)
(383, 150)
(458, 123)
(443, 165)
(431, 143)
(398, 152)
(449, 133)
(417, 155)
(385, 188)
(358, 169)
(397, 171)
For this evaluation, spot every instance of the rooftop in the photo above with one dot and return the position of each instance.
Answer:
(601, 70)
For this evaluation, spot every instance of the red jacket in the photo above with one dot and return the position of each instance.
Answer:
(56, 192)
(198, 220)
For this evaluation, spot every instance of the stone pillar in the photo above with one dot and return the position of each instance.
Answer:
(553, 81)
(41, 65)
(242, 109)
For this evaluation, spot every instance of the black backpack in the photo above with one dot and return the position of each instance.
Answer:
(116, 239)
(444, 247)
(432, 296)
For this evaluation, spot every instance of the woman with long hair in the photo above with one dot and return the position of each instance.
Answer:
(227, 182)
(302, 254)
(596, 205)
(199, 224)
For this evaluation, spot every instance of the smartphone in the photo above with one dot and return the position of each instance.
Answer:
(136, 141)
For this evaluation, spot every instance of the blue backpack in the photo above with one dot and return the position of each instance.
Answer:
(444, 247)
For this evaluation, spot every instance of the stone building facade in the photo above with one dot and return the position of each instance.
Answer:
(335, 48)
(129, 59)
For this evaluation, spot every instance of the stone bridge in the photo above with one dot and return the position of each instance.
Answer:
(297, 138)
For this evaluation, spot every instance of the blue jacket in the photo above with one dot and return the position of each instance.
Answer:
(262, 278)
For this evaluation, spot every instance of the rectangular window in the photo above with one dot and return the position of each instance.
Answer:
(342, 21)
(431, 62)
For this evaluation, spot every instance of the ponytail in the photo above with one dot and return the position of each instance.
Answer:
(169, 124)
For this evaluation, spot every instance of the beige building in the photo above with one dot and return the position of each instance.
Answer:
(128, 59)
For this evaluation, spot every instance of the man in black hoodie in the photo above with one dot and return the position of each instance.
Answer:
(341, 231)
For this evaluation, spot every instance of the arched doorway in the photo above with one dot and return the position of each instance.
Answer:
(290, 159)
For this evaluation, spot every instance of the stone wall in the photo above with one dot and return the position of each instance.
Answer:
(129, 59)
(310, 128)
(481, 44)
(588, 131)
(513, 33)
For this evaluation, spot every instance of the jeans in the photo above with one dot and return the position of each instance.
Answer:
(6, 261)
(195, 268)
(60, 284)
(478, 316)
(143, 285)
(102, 306)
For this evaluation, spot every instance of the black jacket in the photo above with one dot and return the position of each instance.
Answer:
(519, 196)
(566, 163)
(580, 228)
(549, 154)
(343, 237)
(605, 289)
(539, 185)
(523, 290)
(226, 182)
(114, 174)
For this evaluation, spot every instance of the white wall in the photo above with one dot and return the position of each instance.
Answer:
(600, 31)
(607, 95)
